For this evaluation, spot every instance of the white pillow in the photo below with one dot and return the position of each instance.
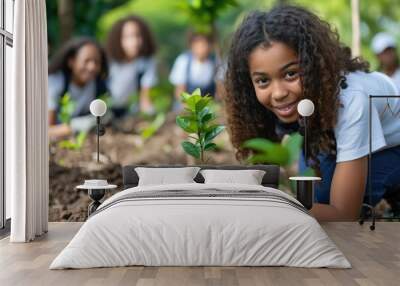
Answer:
(162, 176)
(249, 177)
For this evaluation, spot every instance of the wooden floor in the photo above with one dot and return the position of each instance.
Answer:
(375, 257)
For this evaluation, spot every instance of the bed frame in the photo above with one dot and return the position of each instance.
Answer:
(270, 179)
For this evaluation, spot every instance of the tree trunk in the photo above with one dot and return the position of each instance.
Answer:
(355, 20)
(66, 18)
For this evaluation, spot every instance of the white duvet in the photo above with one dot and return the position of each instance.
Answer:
(200, 231)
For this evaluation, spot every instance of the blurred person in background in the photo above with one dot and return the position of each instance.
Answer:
(195, 68)
(384, 47)
(77, 75)
(133, 70)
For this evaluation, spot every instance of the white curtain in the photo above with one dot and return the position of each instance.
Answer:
(26, 118)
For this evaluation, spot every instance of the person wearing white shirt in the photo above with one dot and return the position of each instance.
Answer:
(195, 68)
(133, 70)
(384, 47)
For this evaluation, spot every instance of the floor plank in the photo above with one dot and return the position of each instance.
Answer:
(374, 255)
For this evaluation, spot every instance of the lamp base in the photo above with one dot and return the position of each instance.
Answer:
(305, 190)
(96, 195)
(305, 193)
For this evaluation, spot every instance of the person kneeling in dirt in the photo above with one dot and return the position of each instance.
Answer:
(133, 70)
(195, 68)
(77, 75)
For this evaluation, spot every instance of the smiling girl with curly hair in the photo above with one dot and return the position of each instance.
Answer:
(287, 54)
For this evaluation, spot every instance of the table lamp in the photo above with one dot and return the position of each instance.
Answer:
(98, 108)
(305, 185)
(305, 108)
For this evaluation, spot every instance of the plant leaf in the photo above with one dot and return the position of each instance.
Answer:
(309, 172)
(213, 132)
(260, 144)
(185, 96)
(293, 144)
(274, 153)
(154, 126)
(206, 110)
(67, 144)
(80, 139)
(197, 91)
(210, 146)
(192, 101)
(186, 124)
(279, 156)
(202, 103)
(191, 149)
(207, 118)
(67, 107)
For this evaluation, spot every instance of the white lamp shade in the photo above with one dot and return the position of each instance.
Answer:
(98, 107)
(305, 107)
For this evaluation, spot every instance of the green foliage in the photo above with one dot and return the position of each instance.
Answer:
(75, 143)
(160, 96)
(284, 154)
(67, 107)
(95, 17)
(268, 152)
(375, 16)
(204, 13)
(153, 127)
(53, 25)
(167, 25)
(86, 16)
(293, 144)
(199, 121)
(308, 173)
(88, 13)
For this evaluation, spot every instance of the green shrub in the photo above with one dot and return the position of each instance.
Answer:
(284, 154)
(75, 143)
(266, 151)
(67, 107)
(198, 122)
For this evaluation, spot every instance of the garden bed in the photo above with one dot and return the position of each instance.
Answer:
(121, 145)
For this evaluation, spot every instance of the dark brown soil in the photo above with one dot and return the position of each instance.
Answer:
(121, 145)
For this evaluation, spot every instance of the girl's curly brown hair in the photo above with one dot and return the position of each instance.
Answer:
(113, 45)
(323, 61)
(60, 60)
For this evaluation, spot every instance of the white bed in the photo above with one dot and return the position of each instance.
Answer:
(247, 229)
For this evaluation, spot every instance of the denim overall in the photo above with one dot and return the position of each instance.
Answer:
(385, 169)
(385, 172)
(190, 87)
